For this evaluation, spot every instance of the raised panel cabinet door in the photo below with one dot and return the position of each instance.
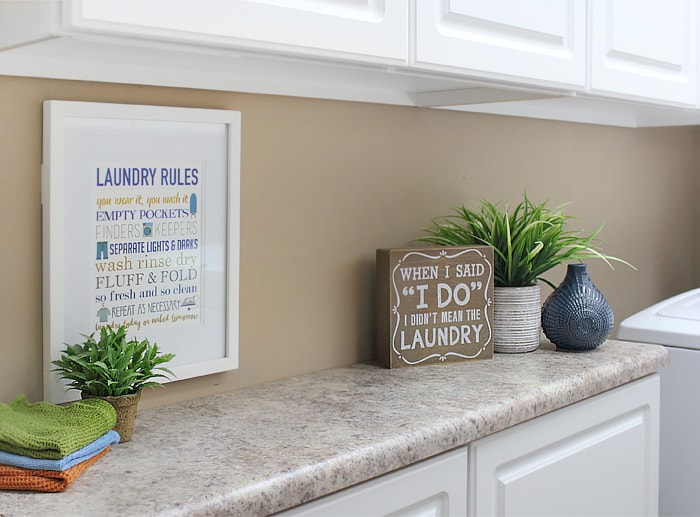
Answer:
(538, 40)
(597, 457)
(645, 49)
(363, 29)
(436, 487)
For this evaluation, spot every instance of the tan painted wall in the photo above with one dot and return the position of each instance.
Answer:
(326, 183)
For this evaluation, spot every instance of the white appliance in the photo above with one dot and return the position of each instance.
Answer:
(675, 323)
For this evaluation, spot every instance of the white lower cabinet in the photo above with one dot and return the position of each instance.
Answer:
(434, 487)
(597, 457)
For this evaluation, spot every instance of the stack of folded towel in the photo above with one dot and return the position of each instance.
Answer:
(45, 447)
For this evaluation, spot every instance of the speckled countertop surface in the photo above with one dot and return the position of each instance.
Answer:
(262, 449)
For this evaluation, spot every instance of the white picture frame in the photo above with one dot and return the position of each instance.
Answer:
(141, 226)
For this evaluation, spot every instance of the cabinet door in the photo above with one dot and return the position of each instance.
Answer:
(645, 49)
(435, 487)
(540, 40)
(597, 457)
(365, 29)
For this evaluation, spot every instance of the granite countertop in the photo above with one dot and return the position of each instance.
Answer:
(263, 449)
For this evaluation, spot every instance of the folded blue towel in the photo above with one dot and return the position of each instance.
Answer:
(87, 452)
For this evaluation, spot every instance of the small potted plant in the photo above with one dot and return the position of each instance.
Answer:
(114, 368)
(528, 241)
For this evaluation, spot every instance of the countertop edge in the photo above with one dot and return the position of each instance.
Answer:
(435, 441)
(271, 447)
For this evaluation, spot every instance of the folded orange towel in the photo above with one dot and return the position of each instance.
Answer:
(16, 478)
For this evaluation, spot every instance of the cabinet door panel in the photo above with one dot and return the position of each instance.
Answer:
(598, 457)
(539, 39)
(645, 49)
(367, 28)
(571, 467)
(435, 487)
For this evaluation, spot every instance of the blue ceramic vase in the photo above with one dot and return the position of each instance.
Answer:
(576, 316)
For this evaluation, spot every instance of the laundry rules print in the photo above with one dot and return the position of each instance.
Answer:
(148, 245)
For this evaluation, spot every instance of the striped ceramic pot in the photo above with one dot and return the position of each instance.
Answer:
(516, 319)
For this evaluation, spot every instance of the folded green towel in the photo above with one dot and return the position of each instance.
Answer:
(45, 430)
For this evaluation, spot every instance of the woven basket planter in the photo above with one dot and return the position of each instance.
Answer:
(125, 406)
(517, 313)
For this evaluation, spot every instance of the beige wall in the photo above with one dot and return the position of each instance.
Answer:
(325, 183)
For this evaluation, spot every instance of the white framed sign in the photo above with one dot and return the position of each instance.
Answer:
(141, 224)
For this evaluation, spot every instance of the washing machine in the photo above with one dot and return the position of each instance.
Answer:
(675, 323)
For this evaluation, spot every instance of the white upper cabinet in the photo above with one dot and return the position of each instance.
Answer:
(621, 62)
(645, 49)
(368, 30)
(541, 41)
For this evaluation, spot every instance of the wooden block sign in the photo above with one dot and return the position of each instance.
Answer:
(434, 305)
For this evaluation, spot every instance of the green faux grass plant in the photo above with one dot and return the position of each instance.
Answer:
(112, 365)
(527, 241)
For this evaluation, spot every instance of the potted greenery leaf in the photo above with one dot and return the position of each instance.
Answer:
(114, 368)
(528, 241)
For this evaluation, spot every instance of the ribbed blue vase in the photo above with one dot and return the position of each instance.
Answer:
(576, 316)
